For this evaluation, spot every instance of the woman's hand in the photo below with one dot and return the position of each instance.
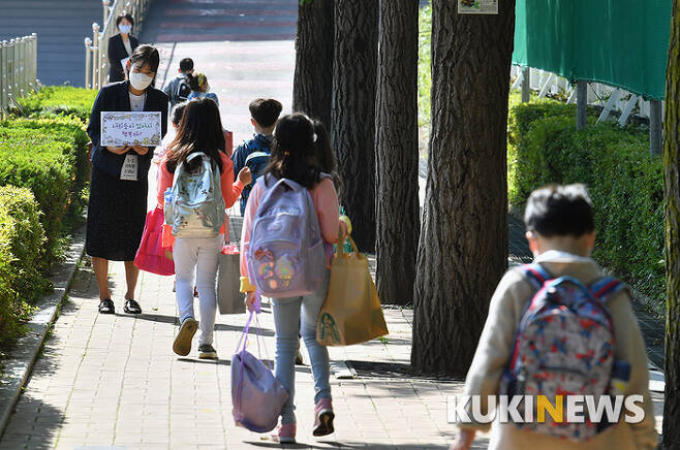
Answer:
(463, 440)
(250, 300)
(118, 150)
(140, 150)
(245, 176)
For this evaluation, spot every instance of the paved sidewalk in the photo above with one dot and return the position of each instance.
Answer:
(114, 381)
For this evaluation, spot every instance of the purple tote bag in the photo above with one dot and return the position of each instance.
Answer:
(257, 396)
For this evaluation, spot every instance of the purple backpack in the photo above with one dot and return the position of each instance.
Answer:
(564, 346)
(256, 395)
(286, 256)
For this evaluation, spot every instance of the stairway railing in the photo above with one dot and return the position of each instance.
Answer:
(18, 70)
(96, 48)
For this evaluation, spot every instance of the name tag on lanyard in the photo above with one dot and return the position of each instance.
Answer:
(130, 168)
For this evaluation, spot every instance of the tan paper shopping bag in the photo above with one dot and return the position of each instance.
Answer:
(352, 313)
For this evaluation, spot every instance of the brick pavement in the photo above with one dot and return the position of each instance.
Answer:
(114, 381)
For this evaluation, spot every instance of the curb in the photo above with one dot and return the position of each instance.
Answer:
(18, 369)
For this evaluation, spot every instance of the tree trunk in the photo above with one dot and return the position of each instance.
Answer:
(353, 112)
(463, 241)
(313, 81)
(396, 141)
(671, 431)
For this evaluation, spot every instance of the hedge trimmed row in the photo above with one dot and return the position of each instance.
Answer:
(21, 241)
(625, 183)
(52, 101)
(44, 170)
(48, 156)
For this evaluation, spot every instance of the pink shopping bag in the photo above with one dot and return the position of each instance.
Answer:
(151, 255)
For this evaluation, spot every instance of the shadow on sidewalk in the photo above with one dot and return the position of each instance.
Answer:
(35, 422)
(356, 445)
(227, 362)
(172, 320)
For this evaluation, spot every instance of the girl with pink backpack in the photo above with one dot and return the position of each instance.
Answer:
(293, 183)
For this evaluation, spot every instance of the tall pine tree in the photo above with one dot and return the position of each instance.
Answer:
(464, 237)
(396, 140)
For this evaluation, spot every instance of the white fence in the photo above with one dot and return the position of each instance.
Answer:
(622, 103)
(18, 70)
(96, 48)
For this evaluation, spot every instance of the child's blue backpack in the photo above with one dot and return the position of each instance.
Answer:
(564, 346)
(195, 207)
(257, 162)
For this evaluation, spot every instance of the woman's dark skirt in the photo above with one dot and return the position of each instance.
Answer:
(116, 214)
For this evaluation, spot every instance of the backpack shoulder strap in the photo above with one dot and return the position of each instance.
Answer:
(605, 288)
(536, 274)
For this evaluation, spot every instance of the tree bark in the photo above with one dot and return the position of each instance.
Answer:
(463, 241)
(396, 123)
(353, 112)
(671, 430)
(313, 82)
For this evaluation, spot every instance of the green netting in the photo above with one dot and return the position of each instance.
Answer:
(623, 43)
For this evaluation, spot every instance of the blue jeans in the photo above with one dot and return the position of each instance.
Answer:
(289, 324)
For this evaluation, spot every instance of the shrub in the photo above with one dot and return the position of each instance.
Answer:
(21, 240)
(625, 183)
(53, 101)
(49, 156)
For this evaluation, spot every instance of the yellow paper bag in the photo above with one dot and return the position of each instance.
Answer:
(352, 313)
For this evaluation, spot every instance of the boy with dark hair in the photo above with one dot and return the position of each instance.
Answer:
(177, 89)
(512, 358)
(254, 153)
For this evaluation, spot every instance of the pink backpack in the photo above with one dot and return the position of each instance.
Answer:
(286, 256)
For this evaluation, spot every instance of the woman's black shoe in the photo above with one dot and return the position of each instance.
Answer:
(106, 307)
(132, 307)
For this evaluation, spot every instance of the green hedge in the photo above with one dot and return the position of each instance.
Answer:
(48, 156)
(625, 183)
(53, 101)
(21, 241)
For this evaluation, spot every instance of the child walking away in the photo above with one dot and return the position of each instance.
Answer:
(559, 330)
(254, 153)
(195, 186)
(200, 88)
(178, 89)
(291, 265)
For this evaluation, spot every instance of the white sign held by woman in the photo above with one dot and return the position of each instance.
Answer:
(119, 128)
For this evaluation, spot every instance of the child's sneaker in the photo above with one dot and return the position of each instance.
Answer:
(324, 415)
(285, 433)
(206, 351)
(182, 344)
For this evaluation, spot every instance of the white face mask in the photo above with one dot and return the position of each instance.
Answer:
(125, 29)
(140, 81)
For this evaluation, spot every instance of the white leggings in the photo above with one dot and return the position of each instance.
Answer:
(202, 255)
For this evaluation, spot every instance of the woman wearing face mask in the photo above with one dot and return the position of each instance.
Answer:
(121, 47)
(198, 83)
(117, 205)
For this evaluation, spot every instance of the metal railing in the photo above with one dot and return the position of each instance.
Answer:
(612, 100)
(96, 48)
(18, 70)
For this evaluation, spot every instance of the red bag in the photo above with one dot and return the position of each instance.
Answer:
(228, 142)
(151, 255)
